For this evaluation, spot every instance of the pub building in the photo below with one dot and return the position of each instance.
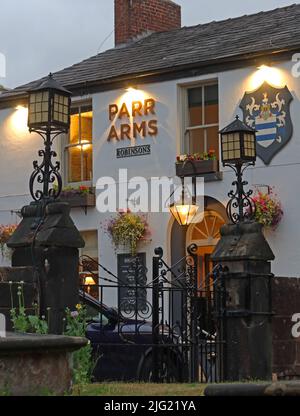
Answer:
(163, 91)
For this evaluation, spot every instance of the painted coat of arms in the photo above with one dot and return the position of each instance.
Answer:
(267, 109)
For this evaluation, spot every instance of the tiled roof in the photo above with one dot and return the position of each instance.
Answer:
(204, 44)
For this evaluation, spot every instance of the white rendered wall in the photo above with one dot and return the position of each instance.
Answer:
(18, 150)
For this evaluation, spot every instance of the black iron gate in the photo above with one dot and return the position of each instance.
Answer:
(165, 330)
(191, 311)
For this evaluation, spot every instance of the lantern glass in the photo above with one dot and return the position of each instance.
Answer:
(60, 109)
(38, 108)
(231, 147)
(184, 214)
(238, 143)
(49, 107)
(249, 146)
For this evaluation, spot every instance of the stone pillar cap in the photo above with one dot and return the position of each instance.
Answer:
(56, 229)
(243, 241)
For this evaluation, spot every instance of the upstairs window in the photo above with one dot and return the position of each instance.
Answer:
(202, 119)
(79, 148)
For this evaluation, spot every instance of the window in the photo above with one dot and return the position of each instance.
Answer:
(202, 119)
(79, 148)
(206, 236)
(89, 262)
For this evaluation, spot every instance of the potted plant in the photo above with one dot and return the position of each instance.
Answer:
(127, 229)
(268, 209)
(81, 196)
(201, 163)
(6, 231)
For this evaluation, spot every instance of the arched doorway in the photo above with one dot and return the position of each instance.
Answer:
(205, 235)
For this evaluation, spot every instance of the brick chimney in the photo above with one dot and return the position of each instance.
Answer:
(136, 17)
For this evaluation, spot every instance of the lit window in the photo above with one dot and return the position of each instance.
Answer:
(202, 120)
(79, 149)
(89, 263)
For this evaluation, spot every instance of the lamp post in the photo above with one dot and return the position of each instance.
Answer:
(238, 150)
(244, 284)
(182, 212)
(47, 238)
(49, 116)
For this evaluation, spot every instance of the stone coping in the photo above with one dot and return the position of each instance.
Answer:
(280, 388)
(14, 342)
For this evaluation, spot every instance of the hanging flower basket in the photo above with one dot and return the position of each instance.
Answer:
(268, 209)
(127, 229)
(6, 231)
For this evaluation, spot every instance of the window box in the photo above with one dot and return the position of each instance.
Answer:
(201, 167)
(79, 198)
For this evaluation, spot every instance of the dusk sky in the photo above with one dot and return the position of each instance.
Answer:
(39, 36)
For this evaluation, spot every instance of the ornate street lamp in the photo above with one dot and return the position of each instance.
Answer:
(49, 116)
(238, 150)
(182, 212)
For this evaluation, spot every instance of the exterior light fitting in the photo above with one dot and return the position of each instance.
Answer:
(238, 151)
(182, 212)
(49, 107)
(238, 143)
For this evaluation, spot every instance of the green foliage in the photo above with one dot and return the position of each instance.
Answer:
(26, 323)
(210, 155)
(76, 323)
(128, 229)
(40, 326)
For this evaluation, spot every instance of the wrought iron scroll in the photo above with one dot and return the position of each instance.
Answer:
(46, 173)
(241, 206)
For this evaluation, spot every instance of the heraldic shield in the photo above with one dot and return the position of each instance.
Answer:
(267, 109)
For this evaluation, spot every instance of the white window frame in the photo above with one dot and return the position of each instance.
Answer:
(66, 145)
(185, 114)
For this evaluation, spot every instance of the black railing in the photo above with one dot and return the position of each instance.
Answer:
(164, 329)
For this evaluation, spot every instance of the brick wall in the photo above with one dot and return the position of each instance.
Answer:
(134, 17)
(286, 349)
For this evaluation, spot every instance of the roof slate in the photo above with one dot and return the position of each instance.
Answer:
(209, 43)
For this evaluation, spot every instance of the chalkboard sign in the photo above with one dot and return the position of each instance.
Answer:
(132, 274)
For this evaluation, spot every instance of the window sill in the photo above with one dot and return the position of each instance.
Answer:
(197, 168)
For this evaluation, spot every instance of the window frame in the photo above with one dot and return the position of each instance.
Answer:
(82, 252)
(186, 129)
(67, 145)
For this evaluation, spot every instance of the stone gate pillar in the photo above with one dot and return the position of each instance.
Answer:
(48, 240)
(246, 280)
